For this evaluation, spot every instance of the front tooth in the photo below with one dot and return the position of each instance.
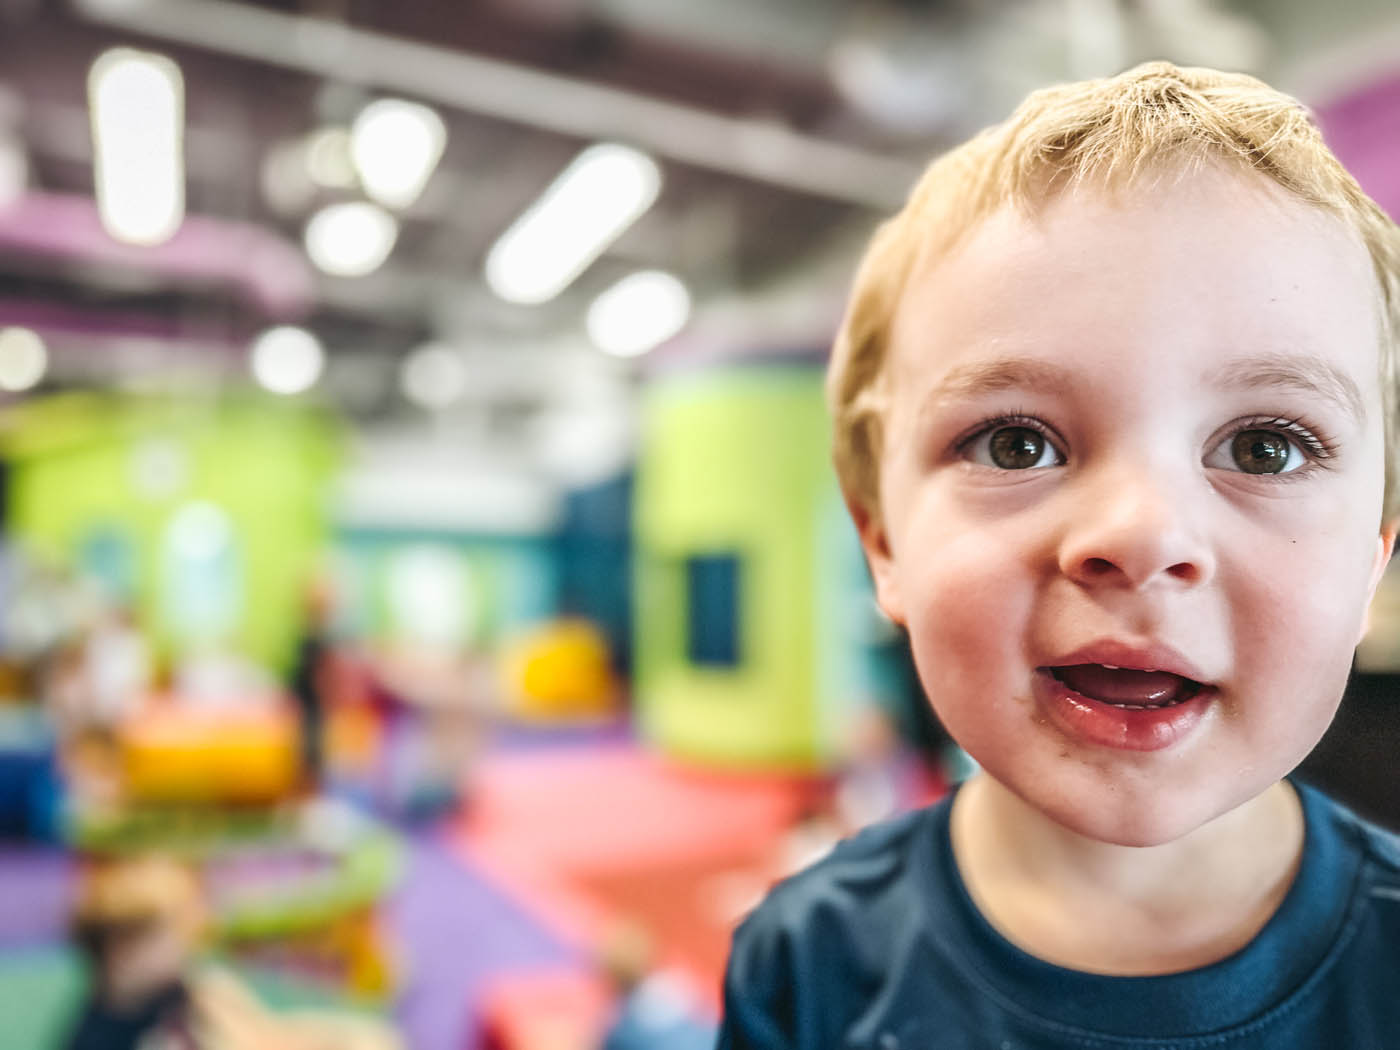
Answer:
(1113, 667)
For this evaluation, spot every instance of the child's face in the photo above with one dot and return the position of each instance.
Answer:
(1144, 434)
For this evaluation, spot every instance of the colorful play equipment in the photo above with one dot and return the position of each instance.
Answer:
(178, 754)
(563, 1009)
(292, 888)
(127, 906)
(559, 672)
(746, 573)
(164, 502)
(30, 789)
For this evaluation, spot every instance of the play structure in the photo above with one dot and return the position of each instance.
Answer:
(294, 888)
(142, 922)
(163, 504)
(749, 582)
(559, 672)
(244, 756)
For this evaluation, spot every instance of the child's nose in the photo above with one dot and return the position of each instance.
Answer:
(1133, 530)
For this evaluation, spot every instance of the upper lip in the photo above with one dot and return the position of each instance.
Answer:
(1150, 656)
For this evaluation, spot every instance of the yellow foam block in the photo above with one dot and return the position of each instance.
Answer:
(559, 672)
(223, 756)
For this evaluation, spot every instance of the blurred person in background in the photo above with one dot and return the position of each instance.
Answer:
(141, 923)
(309, 681)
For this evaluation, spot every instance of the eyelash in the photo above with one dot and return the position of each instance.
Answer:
(1317, 447)
(1012, 419)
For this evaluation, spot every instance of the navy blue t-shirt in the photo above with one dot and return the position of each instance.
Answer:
(879, 947)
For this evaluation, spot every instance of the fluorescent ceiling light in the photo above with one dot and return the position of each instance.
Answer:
(433, 376)
(600, 194)
(137, 103)
(23, 359)
(638, 313)
(352, 239)
(287, 360)
(395, 145)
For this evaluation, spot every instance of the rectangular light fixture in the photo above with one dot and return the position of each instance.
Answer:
(136, 101)
(602, 192)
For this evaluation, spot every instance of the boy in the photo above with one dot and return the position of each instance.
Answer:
(1114, 414)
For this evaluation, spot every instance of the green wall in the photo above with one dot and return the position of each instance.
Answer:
(734, 462)
(122, 468)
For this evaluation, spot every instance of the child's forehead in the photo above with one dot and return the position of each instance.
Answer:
(1212, 259)
(1173, 190)
(1127, 245)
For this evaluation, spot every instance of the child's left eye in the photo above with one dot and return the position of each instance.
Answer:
(1266, 450)
(1012, 444)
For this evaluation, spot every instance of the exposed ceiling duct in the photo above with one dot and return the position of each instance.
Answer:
(753, 149)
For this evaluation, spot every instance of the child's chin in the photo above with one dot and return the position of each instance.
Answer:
(1133, 825)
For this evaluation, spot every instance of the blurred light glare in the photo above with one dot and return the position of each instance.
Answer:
(159, 467)
(602, 192)
(286, 184)
(351, 239)
(395, 145)
(14, 171)
(137, 105)
(328, 161)
(287, 360)
(200, 531)
(638, 313)
(23, 359)
(434, 376)
(430, 595)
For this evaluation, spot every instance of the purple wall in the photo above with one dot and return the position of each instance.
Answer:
(1364, 130)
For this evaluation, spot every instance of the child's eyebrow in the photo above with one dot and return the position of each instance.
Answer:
(1297, 372)
(974, 380)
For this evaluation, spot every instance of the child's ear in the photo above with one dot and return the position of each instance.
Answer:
(876, 544)
(1385, 545)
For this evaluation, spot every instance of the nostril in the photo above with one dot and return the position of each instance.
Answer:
(1184, 571)
(1098, 566)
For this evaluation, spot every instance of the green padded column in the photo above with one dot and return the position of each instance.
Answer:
(733, 463)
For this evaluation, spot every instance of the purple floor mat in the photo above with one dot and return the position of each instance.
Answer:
(36, 887)
(456, 933)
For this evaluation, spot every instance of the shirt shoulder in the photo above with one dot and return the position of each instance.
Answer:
(877, 866)
(1362, 865)
(811, 958)
(1377, 848)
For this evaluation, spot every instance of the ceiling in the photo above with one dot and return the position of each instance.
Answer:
(783, 128)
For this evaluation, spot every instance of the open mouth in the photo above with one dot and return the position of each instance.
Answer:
(1123, 687)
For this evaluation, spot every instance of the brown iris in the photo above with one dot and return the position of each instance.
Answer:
(1260, 451)
(1016, 448)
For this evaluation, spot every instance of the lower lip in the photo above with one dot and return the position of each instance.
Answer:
(1094, 722)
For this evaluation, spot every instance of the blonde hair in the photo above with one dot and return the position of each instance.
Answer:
(1110, 133)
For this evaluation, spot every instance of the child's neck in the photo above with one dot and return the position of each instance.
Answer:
(1102, 908)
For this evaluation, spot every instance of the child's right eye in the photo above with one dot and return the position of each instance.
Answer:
(1012, 445)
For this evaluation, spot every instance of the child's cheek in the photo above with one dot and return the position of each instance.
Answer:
(974, 600)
